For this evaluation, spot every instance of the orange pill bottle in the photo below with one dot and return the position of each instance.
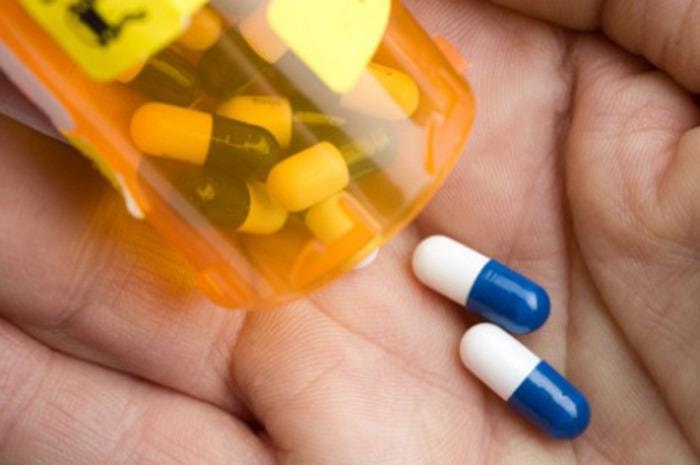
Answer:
(274, 143)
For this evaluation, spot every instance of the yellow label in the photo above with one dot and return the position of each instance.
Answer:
(109, 37)
(335, 38)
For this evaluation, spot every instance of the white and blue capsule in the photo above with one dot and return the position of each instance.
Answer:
(484, 286)
(527, 383)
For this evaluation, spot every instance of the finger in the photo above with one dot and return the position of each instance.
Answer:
(505, 196)
(84, 277)
(666, 33)
(631, 173)
(54, 409)
(679, 191)
(630, 418)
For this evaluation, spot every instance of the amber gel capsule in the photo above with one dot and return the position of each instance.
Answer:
(165, 77)
(241, 54)
(329, 221)
(270, 112)
(367, 152)
(309, 177)
(315, 174)
(203, 32)
(364, 150)
(195, 137)
(231, 203)
(383, 92)
(229, 65)
(278, 115)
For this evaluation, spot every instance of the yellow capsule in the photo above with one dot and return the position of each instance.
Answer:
(328, 220)
(229, 65)
(231, 203)
(316, 119)
(383, 92)
(269, 112)
(365, 148)
(241, 54)
(203, 32)
(366, 152)
(265, 217)
(130, 75)
(309, 177)
(172, 132)
(195, 137)
(165, 77)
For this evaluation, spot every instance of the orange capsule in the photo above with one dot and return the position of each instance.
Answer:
(328, 220)
(231, 203)
(196, 137)
(383, 92)
(308, 177)
(165, 77)
(279, 117)
(203, 31)
(269, 112)
(229, 65)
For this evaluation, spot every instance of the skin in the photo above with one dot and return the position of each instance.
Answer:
(582, 172)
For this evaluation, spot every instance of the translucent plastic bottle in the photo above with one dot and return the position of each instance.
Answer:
(274, 143)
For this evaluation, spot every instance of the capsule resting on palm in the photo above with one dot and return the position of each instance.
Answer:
(195, 137)
(526, 382)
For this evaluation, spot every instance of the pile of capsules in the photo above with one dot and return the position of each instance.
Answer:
(513, 303)
(248, 158)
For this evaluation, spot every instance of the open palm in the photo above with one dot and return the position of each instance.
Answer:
(583, 172)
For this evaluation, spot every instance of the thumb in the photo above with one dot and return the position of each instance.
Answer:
(680, 190)
(665, 33)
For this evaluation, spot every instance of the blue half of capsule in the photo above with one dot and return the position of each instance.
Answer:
(485, 286)
(552, 403)
(508, 299)
(527, 383)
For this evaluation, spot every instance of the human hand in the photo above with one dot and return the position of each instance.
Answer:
(582, 173)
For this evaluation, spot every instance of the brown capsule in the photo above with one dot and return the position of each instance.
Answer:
(166, 77)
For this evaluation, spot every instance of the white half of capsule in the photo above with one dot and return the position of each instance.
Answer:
(498, 359)
(448, 267)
